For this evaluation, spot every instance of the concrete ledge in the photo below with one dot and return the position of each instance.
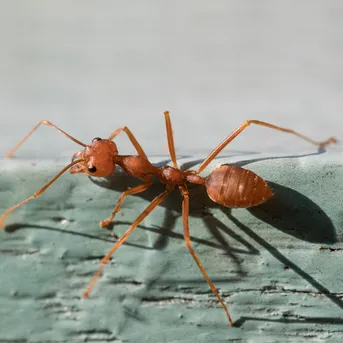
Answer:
(279, 264)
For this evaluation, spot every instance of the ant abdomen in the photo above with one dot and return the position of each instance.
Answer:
(233, 186)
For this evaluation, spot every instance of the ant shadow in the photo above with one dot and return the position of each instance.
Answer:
(304, 320)
(11, 228)
(293, 213)
(200, 206)
(242, 163)
(288, 263)
(288, 211)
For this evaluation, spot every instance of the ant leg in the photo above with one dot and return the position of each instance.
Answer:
(45, 122)
(123, 238)
(36, 194)
(138, 189)
(132, 138)
(247, 123)
(170, 138)
(185, 211)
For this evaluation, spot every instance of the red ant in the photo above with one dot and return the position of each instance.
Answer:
(230, 186)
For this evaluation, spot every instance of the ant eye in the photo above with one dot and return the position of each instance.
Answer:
(91, 169)
(96, 139)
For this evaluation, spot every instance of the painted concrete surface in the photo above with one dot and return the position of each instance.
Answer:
(279, 265)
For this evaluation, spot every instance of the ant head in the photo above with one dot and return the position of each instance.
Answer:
(98, 158)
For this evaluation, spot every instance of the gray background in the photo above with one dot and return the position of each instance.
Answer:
(91, 67)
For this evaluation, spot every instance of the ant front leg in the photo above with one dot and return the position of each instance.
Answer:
(124, 237)
(36, 194)
(138, 189)
(45, 122)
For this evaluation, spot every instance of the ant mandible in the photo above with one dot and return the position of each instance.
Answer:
(230, 186)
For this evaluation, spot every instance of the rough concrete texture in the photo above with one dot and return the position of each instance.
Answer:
(279, 265)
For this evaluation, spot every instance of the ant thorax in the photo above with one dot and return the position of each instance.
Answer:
(173, 176)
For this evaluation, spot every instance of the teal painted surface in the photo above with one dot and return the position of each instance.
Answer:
(266, 261)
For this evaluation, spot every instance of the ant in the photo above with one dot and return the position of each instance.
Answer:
(230, 186)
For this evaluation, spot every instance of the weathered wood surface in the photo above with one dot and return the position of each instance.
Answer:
(266, 261)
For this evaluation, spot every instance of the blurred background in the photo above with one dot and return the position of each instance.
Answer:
(91, 67)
